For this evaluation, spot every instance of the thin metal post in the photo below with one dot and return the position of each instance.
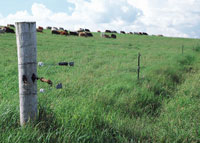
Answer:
(138, 72)
(182, 48)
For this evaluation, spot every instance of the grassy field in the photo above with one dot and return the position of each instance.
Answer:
(101, 100)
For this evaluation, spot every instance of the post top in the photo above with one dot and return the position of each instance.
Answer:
(28, 22)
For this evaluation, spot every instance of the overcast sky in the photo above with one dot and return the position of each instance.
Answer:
(176, 18)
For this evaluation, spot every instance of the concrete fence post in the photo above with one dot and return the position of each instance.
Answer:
(27, 70)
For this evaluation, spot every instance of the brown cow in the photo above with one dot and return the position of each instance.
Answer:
(105, 35)
(39, 30)
(63, 32)
(82, 34)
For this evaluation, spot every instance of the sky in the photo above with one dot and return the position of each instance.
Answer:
(173, 18)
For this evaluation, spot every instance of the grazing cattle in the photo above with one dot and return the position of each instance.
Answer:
(122, 32)
(54, 28)
(89, 34)
(105, 35)
(160, 35)
(60, 28)
(144, 33)
(2, 30)
(73, 33)
(98, 31)
(113, 36)
(8, 30)
(87, 30)
(65, 32)
(11, 25)
(39, 30)
(113, 31)
(55, 32)
(82, 34)
(107, 31)
(130, 32)
(140, 33)
(81, 30)
(48, 27)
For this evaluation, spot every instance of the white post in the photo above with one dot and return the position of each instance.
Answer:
(27, 68)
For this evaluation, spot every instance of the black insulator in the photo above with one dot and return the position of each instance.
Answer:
(63, 63)
(71, 64)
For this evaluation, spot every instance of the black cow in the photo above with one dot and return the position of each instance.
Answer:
(87, 30)
(73, 33)
(60, 28)
(113, 31)
(9, 30)
(55, 32)
(144, 33)
(113, 36)
(81, 30)
(11, 25)
(122, 32)
(48, 27)
(89, 34)
(54, 28)
(108, 31)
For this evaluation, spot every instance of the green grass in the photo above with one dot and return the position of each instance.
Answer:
(101, 100)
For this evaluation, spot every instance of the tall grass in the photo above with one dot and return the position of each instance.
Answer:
(101, 99)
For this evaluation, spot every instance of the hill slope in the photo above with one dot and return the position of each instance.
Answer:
(101, 99)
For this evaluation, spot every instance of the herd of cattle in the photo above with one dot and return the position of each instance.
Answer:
(7, 29)
(81, 32)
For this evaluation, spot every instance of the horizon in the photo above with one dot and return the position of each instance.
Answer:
(171, 18)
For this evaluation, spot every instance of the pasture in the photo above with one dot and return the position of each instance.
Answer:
(101, 99)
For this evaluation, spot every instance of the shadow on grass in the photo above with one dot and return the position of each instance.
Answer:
(46, 119)
(47, 124)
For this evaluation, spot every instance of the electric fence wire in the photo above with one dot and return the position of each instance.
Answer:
(42, 64)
